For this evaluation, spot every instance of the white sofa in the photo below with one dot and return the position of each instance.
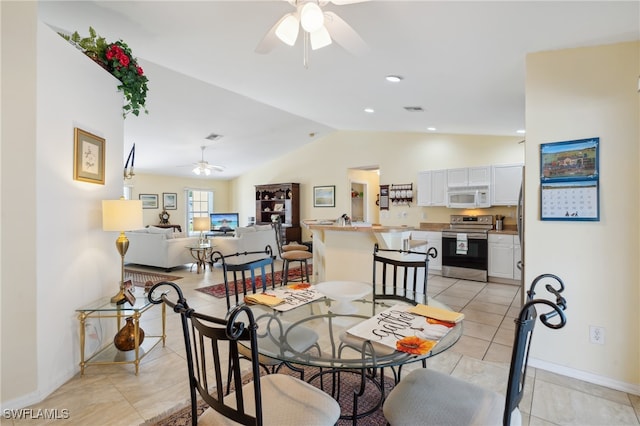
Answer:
(159, 247)
(250, 238)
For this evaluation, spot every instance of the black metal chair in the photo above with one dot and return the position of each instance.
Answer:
(241, 269)
(401, 275)
(429, 397)
(398, 276)
(275, 399)
(248, 266)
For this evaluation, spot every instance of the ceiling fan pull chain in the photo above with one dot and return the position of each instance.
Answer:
(305, 59)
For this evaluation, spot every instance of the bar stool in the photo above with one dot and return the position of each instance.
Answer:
(291, 253)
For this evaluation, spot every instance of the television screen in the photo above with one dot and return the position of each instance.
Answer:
(224, 222)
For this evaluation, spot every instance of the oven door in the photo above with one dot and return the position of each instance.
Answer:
(476, 256)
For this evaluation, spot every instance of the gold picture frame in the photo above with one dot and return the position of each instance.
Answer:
(88, 157)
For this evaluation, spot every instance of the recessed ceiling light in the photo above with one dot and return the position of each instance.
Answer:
(431, 129)
(369, 110)
(521, 131)
(394, 78)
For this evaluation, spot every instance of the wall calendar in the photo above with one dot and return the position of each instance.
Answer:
(569, 180)
(570, 200)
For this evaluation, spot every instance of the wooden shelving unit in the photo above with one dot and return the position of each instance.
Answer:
(281, 199)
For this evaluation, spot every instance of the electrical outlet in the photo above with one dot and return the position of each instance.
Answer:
(596, 334)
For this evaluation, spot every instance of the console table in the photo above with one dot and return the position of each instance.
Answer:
(176, 228)
(109, 354)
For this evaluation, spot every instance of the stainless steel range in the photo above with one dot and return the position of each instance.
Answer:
(464, 247)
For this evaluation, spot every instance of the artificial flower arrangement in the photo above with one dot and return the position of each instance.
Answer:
(117, 59)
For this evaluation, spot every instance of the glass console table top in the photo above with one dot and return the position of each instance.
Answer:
(104, 305)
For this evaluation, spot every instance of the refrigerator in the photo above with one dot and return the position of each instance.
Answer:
(520, 228)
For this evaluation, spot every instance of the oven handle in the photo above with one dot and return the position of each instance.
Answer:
(470, 235)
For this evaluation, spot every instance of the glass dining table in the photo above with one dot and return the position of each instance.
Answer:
(319, 334)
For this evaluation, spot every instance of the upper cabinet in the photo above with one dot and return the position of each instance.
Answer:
(432, 188)
(469, 176)
(506, 181)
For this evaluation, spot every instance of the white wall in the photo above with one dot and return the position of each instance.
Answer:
(578, 94)
(159, 184)
(400, 156)
(59, 259)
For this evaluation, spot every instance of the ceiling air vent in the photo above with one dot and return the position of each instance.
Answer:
(213, 137)
(414, 108)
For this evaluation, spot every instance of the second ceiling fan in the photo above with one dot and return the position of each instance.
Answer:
(320, 28)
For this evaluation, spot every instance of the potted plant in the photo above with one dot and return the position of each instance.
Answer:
(119, 61)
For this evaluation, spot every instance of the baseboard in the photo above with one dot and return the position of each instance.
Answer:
(38, 395)
(595, 379)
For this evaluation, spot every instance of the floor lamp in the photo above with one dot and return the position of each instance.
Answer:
(202, 224)
(121, 215)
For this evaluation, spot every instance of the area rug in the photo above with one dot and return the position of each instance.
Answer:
(140, 278)
(217, 290)
(349, 382)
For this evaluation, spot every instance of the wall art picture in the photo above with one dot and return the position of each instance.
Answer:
(324, 196)
(170, 200)
(88, 157)
(149, 201)
(570, 160)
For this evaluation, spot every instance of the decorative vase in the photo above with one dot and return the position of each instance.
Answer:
(125, 339)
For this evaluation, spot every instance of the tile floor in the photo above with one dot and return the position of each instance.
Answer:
(113, 395)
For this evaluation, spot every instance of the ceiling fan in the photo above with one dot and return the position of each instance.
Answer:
(320, 28)
(203, 167)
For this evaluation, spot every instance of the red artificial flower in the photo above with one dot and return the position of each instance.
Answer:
(139, 69)
(414, 345)
(124, 60)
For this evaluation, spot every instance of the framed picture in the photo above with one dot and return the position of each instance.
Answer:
(170, 201)
(570, 160)
(130, 297)
(88, 157)
(149, 201)
(324, 196)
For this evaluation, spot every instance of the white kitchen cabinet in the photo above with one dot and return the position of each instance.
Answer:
(506, 180)
(480, 176)
(457, 177)
(501, 260)
(469, 176)
(432, 188)
(433, 239)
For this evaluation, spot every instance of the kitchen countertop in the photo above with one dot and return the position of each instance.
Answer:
(314, 225)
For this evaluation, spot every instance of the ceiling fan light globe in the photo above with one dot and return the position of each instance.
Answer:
(320, 39)
(288, 29)
(196, 170)
(207, 172)
(311, 17)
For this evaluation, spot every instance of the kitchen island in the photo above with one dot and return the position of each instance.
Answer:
(345, 253)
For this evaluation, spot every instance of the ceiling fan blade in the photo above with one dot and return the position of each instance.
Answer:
(344, 35)
(270, 39)
(343, 2)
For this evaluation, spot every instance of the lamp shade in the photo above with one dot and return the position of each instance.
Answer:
(287, 30)
(121, 215)
(201, 224)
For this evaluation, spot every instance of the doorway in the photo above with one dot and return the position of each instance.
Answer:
(358, 202)
(364, 186)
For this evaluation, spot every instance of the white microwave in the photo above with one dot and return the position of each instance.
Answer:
(469, 198)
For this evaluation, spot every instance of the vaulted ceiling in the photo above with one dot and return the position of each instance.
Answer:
(462, 63)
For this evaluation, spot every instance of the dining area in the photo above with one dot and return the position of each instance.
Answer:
(347, 340)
